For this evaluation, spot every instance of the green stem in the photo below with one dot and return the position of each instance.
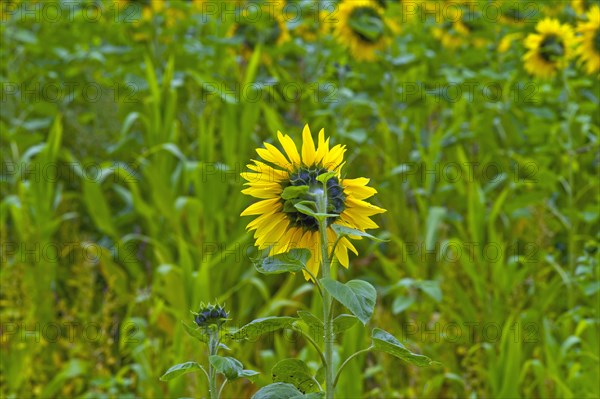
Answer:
(221, 389)
(213, 345)
(571, 217)
(327, 300)
(314, 344)
(337, 376)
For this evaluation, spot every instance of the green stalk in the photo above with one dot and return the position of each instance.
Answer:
(213, 345)
(327, 316)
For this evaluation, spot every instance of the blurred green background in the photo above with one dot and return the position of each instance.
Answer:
(125, 125)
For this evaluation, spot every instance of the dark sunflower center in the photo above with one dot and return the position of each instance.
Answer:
(367, 24)
(307, 176)
(552, 48)
(597, 41)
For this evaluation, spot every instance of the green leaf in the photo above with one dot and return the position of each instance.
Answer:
(292, 261)
(386, 342)
(343, 231)
(434, 219)
(431, 288)
(195, 332)
(292, 192)
(259, 327)
(231, 368)
(402, 303)
(315, 324)
(343, 322)
(302, 208)
(295, 372)
(181, 369)
(278, 390)
(305, 209)
(324, 178)
(357, 295)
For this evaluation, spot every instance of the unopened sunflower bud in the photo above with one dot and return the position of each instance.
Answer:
(210, 315)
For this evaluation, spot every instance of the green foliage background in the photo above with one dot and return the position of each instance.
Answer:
(122, 142)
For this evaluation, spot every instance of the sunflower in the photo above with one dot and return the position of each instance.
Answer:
(463, 26)
(361, 28)
(279, 226)
(549, 50)
(257, 25)
(588, 48)
(582, 7)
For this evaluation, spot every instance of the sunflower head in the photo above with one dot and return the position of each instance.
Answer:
(361, 27)
(588, 41)
(288, 181)
(256, 25)
(581, 7)
(549, 50)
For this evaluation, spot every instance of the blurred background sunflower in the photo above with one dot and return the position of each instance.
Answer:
(361, 28)
(550, 49)
(588, 48)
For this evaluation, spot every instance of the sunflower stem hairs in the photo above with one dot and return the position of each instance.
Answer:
(305, 216)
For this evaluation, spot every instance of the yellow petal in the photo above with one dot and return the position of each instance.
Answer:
(290, 148)
(358, 220)
(260, 207)
(344, 241)
(270, 174)
(341, 253)
(323, 147)
(308, 147)
(334, 158)
(363, 207)
(260, 220)
(357, 188)
(263, 193)
(271, 154)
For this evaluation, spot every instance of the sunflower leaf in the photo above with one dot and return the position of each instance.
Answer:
(343, 231)
(386, 342)
(279, 390)
(195, 332)
(258, 327)
(324, 178)
(303, 208)
(313, 322)
(292, 192)
(181, 369)
(231, 368)
(295, 372)
(292, 261)
(357, 295)
(344, 322)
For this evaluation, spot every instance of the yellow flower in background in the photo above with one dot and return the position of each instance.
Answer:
(582, 7)
(361, 28)
(261, 24)
(278, 225)
(508, 40)
(588, 48)
(549, 50)
(463, 25)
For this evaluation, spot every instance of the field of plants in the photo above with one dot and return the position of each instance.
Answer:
(163, 160)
